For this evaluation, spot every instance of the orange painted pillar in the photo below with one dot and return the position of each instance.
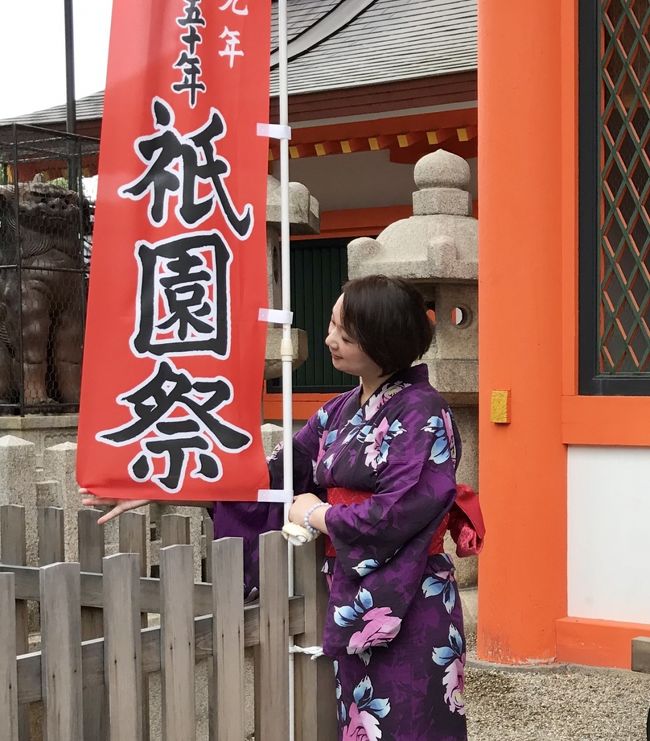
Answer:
(522, 464)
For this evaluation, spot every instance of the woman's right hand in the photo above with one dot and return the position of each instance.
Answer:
(118, 506)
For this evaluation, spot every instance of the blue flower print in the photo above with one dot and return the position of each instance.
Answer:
(366, 567)
(347, 616)
(442, 582)
(446, 654)
(440, 450)
(322, 418)
(341, 712)
(452, 657)
(363, 697)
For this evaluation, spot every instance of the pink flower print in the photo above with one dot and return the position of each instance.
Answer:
(454, 681)
(381, 627)
(376, 437)
(363, 726)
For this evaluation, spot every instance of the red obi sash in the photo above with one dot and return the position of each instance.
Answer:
(339, 495)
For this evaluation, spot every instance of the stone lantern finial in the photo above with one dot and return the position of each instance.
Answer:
(442, 179)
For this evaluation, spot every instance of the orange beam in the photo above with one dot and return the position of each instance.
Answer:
(381, 142)
(354, 145)
(410, 155)
(410, 138)
(388, 126)
(466, 133)
(297, 151)
(324, 148)
(439, 136)
(597, 642)
(304, 405)
(582, 420)
(357, 222)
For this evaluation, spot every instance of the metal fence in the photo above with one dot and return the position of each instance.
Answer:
(45, 239)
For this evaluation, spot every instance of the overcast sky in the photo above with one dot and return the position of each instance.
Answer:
(33, 52)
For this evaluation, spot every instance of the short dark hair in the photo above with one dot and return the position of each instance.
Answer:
(388, 318)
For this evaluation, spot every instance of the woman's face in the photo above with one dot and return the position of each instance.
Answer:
(347, 356)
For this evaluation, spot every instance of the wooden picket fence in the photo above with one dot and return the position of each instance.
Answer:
(97, 650)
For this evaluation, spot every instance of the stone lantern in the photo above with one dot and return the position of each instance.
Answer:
(437, 248)
(304, 218)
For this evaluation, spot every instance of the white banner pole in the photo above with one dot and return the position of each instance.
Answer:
(286, 348)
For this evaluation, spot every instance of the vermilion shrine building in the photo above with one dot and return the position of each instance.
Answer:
(564, 282)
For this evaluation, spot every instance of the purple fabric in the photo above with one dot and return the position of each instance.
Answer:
(394, 623)
(412, 690)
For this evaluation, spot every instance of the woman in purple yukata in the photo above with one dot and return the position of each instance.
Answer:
(376, 468)
(377, 465)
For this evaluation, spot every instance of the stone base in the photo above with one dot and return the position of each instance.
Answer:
(44, 430)
(469, 600)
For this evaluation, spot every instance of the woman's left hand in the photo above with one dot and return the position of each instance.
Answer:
(301, 505)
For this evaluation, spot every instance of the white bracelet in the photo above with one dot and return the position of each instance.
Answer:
(307, 524)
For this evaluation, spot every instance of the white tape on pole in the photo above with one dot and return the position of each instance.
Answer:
(274, 131)
(275, 316)
(281, 496)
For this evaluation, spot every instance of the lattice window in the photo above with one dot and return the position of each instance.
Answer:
(619, 239)
(625, 168)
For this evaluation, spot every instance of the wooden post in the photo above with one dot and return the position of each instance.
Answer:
(133, 539)
(122, 648)
(91, 553)
(61, 652)
(174, 530)
(8, 671)
(51, 541)
(13, 550)
(177, 642)
(314, 680)
(228, 639)
(272, 654)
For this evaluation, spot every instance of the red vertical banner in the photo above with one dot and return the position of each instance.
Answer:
(174, 351)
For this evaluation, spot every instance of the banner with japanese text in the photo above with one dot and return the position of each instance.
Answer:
(174, 350)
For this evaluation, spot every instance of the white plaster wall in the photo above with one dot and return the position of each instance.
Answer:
(609, 533)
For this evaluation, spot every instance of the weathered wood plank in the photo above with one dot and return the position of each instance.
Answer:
(133, 536)
(91, 590)
(91, 553)
(177, 639)
(8, 672)
(228, 639)
(29, 665)
(61, 658)
(315, 697)
(133, 539)
(272, 664)
(13, 549)
(51, 539)
(174, 530)
(122, 651)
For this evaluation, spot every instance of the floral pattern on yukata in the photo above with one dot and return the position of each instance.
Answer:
(377, 626)
(452, 658)
(442, 583)
(361, 721)
(444, 444)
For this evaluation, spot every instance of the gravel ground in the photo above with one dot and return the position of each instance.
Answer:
(564, 703)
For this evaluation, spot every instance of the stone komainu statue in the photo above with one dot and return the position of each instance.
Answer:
(48, 301)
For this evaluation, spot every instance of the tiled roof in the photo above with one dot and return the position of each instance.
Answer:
(391, 40)
(388, 41)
